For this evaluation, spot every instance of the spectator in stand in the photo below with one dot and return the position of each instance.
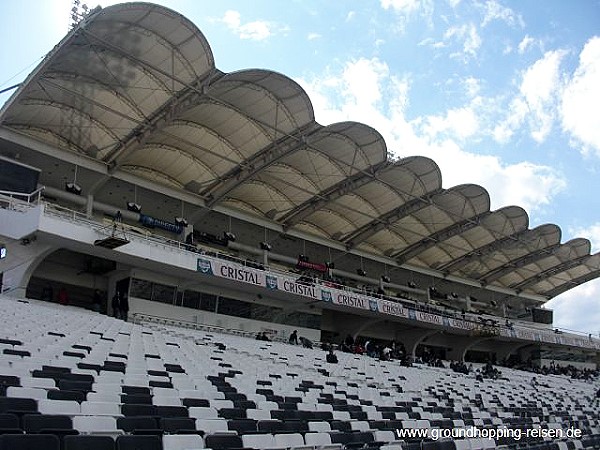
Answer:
(349, 341)
(116, 305)
(306, 343)
(63, 296)
(293, 338)
(385, 353)
(48, 293)
(331, 357)
(597, 398)
(124, 306)
(97, 301)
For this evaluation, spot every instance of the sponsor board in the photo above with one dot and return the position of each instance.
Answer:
(238, 272)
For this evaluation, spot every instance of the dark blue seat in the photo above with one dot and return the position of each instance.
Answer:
(29, 442)
(88, 443)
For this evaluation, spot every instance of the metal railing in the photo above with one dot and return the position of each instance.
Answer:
(130, 233)
(20, 201)
(139, 318)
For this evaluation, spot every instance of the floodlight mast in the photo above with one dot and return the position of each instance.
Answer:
(78, 12)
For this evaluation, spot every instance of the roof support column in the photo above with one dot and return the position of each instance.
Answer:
(460, 345)
(508, 349)
(25, 256)
(89, 206)
(412, 338)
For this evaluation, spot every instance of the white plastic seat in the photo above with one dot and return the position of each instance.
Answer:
(192, 393)
(218, 403)
(100, 409)
(212, 425)
(317, 439)
(26, 392)
(103, 397)
(341, 415)
(45, 383)
(61, 407)
(319, 427)
(165, 392)
(258, 414)
(201, 412)
(267, 405)
(182, 442)
(288, 440)
(359, 425)
(462, 444)
(258, 441)
(166, 401)
(95, 424)
(384, 436)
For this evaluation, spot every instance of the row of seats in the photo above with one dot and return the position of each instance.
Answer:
(109, 376)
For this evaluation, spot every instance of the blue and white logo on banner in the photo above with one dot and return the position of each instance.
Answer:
(411, 314)
(326, 296)
(271, 282)
(373, 305)
(204, 266)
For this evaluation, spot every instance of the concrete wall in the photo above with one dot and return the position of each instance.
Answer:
(209, 318)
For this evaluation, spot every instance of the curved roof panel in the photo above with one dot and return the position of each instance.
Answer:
(115, 73)
(135, 86)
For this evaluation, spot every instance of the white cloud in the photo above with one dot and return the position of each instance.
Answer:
(472, 86)
(460, 123)
(536, 102)
(526, 43)
(540, 87)
(471, 41)
(402, 6)
(495, 11)
(357, 93)
(350, 16)
(580, 107)
(257, 31)
(591, 232)
(525, 184)
(577, 309)
(313, 36)
(405, 9)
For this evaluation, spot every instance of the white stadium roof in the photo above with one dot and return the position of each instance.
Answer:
(134, 86)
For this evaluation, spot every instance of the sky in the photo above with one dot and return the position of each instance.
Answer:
(502, 94)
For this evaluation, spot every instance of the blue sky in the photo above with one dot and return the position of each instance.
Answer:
(502, 94)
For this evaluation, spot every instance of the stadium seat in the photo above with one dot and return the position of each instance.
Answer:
(88, 443)
(288, 440)
(137, 424)
(182, 442)
(212, 425)
(177, 424)
(137, 442)
(59, 407)
(202, 413)
(18, 405)
(95, 425)
(57, 394)
(259, 441)
(100, 409)
(46, 424)
(223, 441)
(29, 442)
